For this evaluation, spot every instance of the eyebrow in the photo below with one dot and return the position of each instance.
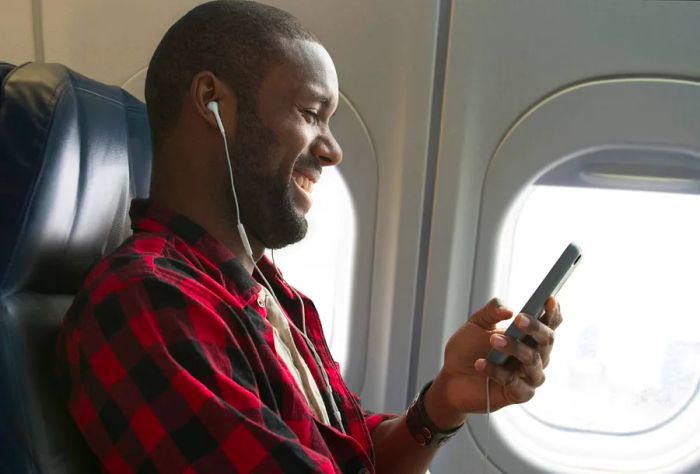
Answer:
(324, 100)
(319, 97)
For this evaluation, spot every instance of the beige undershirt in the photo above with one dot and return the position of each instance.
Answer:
(288, 352)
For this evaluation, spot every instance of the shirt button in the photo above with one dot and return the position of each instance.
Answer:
(261, 301)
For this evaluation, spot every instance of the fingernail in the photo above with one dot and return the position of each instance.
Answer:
(498, 341)
(523, 322)
(480, 364)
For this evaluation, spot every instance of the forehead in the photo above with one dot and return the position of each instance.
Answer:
(307, 71)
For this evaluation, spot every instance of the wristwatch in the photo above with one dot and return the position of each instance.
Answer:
(421, 428)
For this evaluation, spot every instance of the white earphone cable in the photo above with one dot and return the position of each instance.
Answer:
(214, 108)
(230, 172)
(326, 381)
(488, 426)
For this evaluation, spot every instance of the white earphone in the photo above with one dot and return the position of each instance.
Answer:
(213, 106)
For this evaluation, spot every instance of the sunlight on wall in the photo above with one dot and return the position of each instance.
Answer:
(321, 265)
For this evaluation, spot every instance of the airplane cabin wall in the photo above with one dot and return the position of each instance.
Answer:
(18, 34)
(503, 58)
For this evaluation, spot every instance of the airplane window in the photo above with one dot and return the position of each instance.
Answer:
(320, 266)
(624, 379)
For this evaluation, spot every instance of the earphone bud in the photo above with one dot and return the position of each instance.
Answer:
(213, 106)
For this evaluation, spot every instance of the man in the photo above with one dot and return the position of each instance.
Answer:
(186, 351)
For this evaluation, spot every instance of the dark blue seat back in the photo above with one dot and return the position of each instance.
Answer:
(73, 153)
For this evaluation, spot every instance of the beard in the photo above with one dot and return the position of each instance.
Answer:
(265, 196)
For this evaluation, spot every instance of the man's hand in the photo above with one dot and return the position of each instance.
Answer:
(459, 388)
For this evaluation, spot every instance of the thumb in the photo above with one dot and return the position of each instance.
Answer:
(489, 315)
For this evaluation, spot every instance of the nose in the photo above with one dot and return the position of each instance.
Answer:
(327, 149)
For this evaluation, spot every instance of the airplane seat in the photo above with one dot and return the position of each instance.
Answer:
(73, 153)
(4, 69)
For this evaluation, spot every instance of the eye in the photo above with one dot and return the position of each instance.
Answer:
(310, 115)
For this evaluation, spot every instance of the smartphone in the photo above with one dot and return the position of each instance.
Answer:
(551, 284)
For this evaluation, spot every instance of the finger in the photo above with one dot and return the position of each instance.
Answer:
(552, 313)
(527, 356)
(489, 315)
(533, 373)
(515, 389)
(538, 336)
(541, 335)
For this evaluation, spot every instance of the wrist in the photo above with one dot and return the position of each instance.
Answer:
(439, 408)
(423, 430)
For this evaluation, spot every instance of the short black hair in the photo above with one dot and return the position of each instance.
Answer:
(236, 40)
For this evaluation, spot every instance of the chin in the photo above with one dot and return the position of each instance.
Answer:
(281, 236)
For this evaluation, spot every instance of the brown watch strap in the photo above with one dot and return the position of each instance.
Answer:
(422, 429)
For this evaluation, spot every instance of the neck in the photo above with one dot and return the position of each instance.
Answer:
(257, 248)
(194, 188)
(204, 207)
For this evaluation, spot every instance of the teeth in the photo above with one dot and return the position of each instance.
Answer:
(305, 183)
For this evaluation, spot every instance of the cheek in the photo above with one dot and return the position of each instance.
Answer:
(297, 134)
(289, 138)
(294, 143)
(278, 167)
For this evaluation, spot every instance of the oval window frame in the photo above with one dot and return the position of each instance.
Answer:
(626, 112)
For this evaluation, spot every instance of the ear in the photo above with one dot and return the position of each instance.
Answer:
(206, 87)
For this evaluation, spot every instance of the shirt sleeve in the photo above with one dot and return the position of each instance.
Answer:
(372, 419)
(375, 419)
(157, 383)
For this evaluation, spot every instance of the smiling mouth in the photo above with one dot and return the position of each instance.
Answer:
(303, 182)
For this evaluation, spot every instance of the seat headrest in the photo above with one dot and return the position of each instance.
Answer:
(4, 69)
(73, 153)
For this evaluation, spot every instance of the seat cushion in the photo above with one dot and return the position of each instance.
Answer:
(40, 436)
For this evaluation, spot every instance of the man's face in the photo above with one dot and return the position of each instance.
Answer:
(282, 145)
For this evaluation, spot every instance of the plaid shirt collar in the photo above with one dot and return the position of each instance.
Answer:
(150, 216)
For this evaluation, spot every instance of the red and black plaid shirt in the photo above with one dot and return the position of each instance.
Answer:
(172, 367)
